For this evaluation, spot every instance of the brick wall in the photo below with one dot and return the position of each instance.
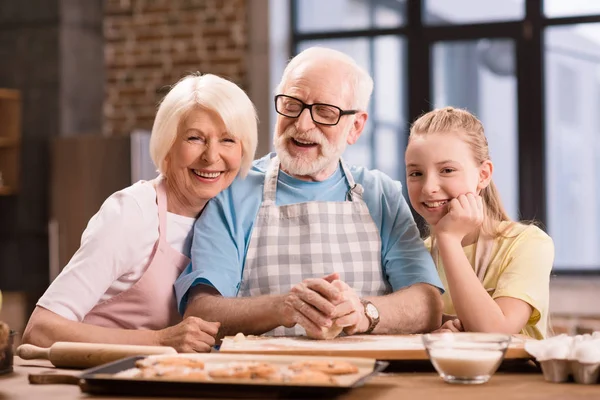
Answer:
(153, 43)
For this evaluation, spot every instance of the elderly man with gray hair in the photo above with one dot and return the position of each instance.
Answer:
(308, 244)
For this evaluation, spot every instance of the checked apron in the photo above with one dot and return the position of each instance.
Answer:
(294, 242)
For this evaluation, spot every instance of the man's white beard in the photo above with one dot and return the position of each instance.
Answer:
(301, 164)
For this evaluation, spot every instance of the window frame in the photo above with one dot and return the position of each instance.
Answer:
(528, 36)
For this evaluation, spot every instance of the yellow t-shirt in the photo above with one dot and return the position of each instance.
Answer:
(520, 265)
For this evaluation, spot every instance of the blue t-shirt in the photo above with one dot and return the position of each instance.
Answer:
(222, 233)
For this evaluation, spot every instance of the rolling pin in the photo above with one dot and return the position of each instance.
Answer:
(85, 355)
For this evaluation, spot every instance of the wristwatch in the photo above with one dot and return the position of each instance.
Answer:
(372, 314)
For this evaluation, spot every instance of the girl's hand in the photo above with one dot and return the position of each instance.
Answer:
(465, 214)
(453, 325)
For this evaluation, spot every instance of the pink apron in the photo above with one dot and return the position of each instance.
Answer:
(150, 302)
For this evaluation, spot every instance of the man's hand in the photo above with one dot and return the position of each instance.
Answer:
(192, 335)
(350, 313)
(312, 304)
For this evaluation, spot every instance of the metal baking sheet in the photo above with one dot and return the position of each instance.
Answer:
(101, 380)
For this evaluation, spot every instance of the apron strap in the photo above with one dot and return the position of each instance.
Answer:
(355, 193)
(161, 201)
(483, 253)
(270, 185)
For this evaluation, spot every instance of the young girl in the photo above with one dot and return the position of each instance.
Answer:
(496, 272)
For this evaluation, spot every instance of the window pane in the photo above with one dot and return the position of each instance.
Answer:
(572, 56)
(381, 145)
(388, 115)
(445, 12)
(480, 76)
(339, 15)
(562, 8)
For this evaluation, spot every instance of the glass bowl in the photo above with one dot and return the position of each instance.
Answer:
(466, 357)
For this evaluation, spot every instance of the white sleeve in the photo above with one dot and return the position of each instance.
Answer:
(107, 251)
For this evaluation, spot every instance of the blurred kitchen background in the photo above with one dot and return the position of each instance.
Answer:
(80, 81)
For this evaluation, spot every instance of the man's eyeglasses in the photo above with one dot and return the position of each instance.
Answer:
(322, 114)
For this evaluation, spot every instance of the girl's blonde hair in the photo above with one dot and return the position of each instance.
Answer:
(449, 120)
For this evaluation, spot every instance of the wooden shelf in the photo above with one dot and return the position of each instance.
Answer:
(7, 191)
(8, 143)
(10, 140)
(10, 94)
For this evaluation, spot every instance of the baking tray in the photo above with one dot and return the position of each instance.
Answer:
(101, 380)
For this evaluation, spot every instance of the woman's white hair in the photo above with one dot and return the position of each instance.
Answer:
(360, 82)
(212, 93)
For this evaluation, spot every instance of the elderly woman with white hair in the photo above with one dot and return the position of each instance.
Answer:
(118, 287)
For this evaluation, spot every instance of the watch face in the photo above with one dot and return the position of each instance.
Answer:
(372, 311)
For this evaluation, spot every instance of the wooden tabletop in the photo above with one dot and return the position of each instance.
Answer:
(381, 347)
(387, 386)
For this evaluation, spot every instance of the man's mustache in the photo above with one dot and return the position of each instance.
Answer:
(313, 135)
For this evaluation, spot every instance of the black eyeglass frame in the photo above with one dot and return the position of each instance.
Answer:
(310, 106)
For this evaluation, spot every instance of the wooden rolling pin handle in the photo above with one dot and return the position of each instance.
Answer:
(51, 378)
(31, 352)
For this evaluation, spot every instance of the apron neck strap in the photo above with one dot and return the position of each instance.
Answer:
(483, 253)
(270, 187)
(356, 191)
(161, 201)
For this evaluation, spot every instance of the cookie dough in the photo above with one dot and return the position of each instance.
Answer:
(239, 337)
(166, 362)
(312, 377)
(332, 332)
(326, 367)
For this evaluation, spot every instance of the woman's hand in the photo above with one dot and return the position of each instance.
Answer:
(465, 214)
(453, 325)
(192, 335)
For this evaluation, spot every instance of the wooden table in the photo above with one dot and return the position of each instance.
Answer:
(393, 386)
